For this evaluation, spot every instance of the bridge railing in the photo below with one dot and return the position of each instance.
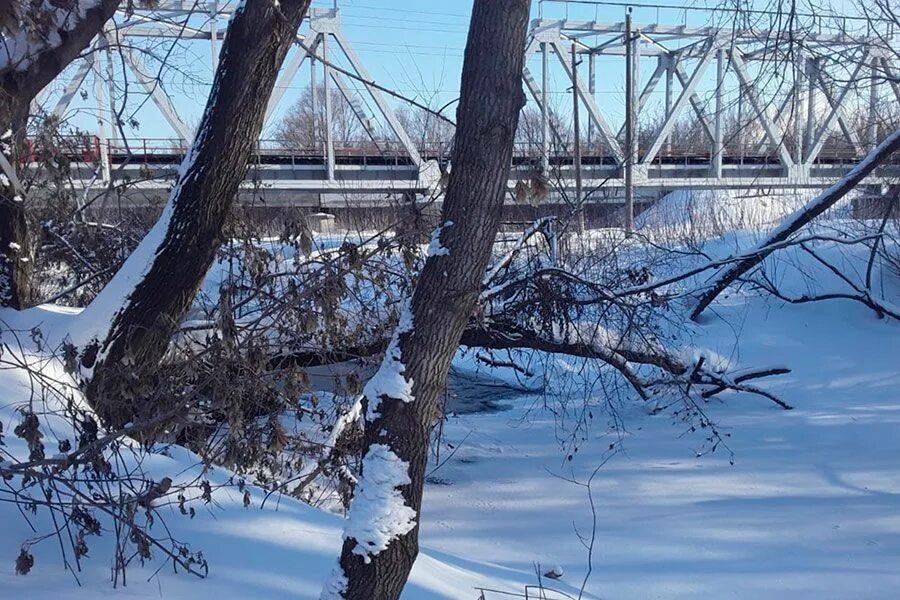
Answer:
(87, 148)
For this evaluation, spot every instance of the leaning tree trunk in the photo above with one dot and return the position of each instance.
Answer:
(132, 320)
(16, 255)
(57, 36)
(877, 156)
(381, 536)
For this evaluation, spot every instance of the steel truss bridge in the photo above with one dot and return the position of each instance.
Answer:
(805, 139)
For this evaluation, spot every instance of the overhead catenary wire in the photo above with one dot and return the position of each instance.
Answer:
(712, 9)
(382, 9)
(373, 84)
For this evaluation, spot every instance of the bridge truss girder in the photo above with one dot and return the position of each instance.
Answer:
(812, 105)
(684, 57)
(317, 45)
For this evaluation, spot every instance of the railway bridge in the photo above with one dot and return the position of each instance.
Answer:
(801, 129)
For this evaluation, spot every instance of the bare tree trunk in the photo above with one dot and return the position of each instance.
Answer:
(795, 222)
(46, 55)
(381, 537)
(16, 255)
(133, 318)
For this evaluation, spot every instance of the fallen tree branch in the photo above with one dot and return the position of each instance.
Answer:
(622, 357)
(607, 295)
(880, 307)
(795, 222)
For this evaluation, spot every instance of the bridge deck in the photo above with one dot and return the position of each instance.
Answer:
(150, 166)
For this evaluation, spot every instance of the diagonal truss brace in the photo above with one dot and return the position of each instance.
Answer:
(835, 114)
(535, 90)
(72, 87)
(153, 87)
(378, 97)
(893, 78)
(287, 75)
(843, 119)
(696, 104)
(773, 132)
(356, 105)
(593, 110)
(779, 119)
(648, 88)
(294, 65)
(686, 93)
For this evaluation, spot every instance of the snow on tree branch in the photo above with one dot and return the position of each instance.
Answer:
(378, 513)
(44, 27)
(390, 381)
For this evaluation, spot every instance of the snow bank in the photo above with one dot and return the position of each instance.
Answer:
(709, 213)
(808, 510)
(280, 549)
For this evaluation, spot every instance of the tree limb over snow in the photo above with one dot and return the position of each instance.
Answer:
(795, 222)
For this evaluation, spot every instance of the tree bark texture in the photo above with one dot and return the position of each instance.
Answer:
(798, 220)
(145, 315)
(16, 249)
(450, 283)
(18, 87)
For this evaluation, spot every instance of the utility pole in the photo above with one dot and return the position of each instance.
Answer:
(103, 119)
(798, 109)
(111, 89)
(740, 122)
(592, 90)
(545, 112)
(873, 106)
(670, 80)
(578, 201)
(326, 89)
(812, 75)
(314, 87)
(718, 148)
(213, 34)
(629, 124)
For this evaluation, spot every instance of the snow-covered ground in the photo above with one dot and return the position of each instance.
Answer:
(810, 507)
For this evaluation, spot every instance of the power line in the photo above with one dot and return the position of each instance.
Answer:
(398, 27)
(399, 20)
(207, 84)
(404, 10)
(712, 9)
(400, 51)
(400, 45)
